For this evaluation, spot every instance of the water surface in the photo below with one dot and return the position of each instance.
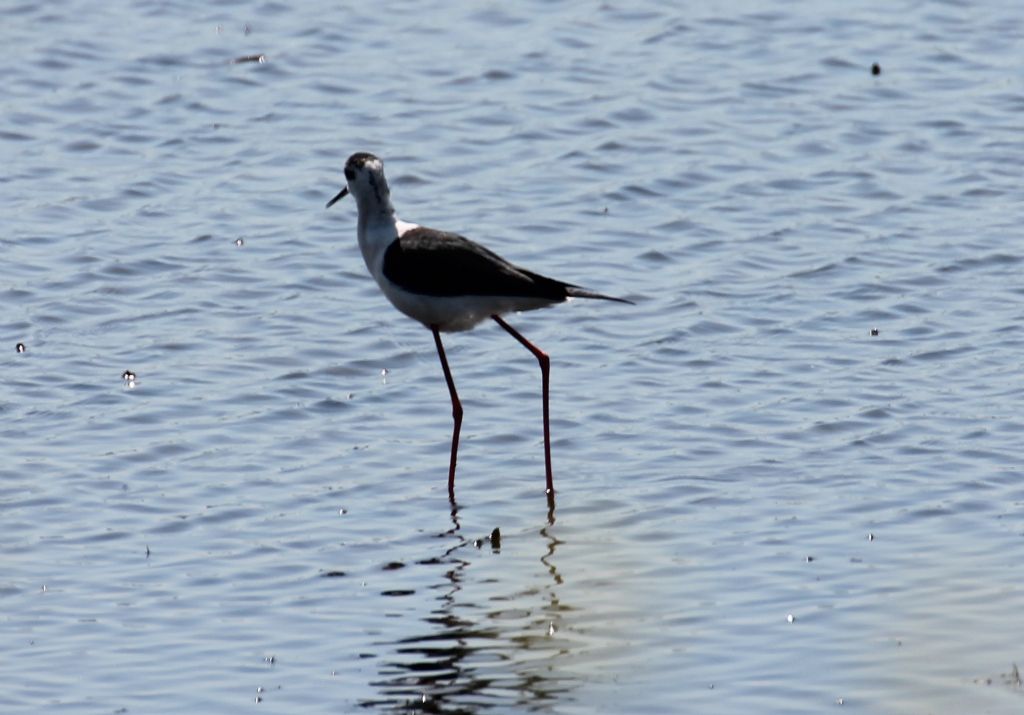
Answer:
(789, 477)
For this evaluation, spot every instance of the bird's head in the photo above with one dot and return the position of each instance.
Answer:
(364, 177)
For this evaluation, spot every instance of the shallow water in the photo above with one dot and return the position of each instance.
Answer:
(761, 507)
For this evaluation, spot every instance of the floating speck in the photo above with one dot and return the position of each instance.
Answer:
(551, 628)
(496, 538)
(810, 559)
(839, 701)
(259, 59)
(790, 618)
(874, 332)
(239, 242)
(20, 347)
(342, 511)
(876, 69)
(384, 374)
(128, 376)
(871, 536)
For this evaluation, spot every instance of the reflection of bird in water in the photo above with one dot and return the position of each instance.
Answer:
(495, 652)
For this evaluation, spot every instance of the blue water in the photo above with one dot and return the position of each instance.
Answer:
(762, 506)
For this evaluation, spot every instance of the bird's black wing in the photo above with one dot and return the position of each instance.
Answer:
(431, 262)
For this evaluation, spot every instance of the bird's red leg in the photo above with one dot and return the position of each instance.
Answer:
(456, 412)
(545, 369)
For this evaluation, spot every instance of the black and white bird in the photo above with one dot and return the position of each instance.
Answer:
(446, 281)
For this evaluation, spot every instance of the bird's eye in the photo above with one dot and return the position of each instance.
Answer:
(349, 174)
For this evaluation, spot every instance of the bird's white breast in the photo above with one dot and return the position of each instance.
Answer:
(374, 239)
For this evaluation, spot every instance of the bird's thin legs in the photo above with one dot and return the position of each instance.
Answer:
(456, 412)
(545, 369)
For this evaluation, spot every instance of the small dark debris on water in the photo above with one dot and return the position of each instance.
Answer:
(494, 538)
(332, 574)
(20, 347)
(147, 551)
(393, 566)
(1012, 679)
(876, 69)
(249, 58)
(874, 332)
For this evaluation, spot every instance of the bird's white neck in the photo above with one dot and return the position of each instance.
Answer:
(376, 222)
(375, 231)
(377, 225)
(375, 205)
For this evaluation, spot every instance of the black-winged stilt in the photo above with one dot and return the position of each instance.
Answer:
(446, 281)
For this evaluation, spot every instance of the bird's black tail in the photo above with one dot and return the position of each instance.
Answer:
(577, 292)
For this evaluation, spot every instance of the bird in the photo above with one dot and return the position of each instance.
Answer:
(448, 283)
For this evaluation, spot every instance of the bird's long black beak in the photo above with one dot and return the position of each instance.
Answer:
(341, 194)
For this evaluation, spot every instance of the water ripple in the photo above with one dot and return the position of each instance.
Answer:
(795, 454)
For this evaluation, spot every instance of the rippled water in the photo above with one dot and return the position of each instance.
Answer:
(762, 505)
